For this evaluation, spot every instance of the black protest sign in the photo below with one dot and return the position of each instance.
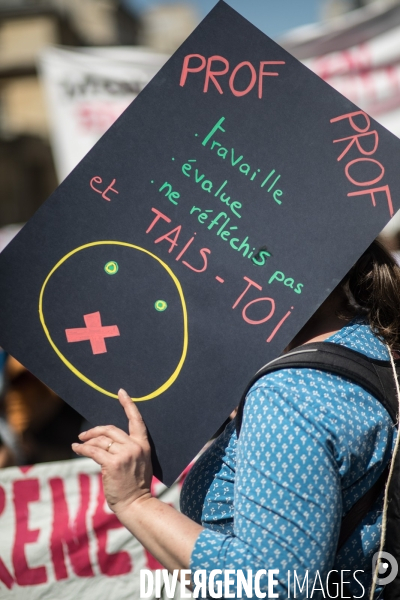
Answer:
(197, 237)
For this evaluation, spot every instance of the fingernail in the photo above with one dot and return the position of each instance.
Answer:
(81, 434)
(74, 445)
(121, 391)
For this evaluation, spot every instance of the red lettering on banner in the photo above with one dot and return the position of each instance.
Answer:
(356, 60)
(118, 563)
(97, 116)
(65, 535)
(24, 469)
(24, 492)
(2, 499)
(5, 575)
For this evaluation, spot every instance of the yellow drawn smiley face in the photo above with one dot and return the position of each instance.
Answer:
(129, 330)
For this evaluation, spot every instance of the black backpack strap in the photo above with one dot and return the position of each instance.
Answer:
(361, 508)
(376, 377)
(373, 375)
(352, 519)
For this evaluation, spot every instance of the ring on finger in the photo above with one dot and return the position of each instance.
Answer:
(109, 445)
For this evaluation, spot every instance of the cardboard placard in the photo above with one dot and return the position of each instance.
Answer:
(197, 237)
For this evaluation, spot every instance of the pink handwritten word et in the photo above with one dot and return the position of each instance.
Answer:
(110, 188)
(93, 332)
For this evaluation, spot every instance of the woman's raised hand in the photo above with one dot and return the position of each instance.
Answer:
(125, 460)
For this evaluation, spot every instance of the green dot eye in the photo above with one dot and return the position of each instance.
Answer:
(160, 305)
(111, 267)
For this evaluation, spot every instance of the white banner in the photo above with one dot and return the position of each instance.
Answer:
(87, 90)
(60, 541)
(359, 55)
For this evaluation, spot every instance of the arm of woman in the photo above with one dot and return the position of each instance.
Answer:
(125, 461)
(287, 496)
(282, 517)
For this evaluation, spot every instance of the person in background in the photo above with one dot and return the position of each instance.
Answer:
(35, 424)
(41, 421)
(10, 452)
(393, 244)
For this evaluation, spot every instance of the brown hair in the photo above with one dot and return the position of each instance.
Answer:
(372, 288)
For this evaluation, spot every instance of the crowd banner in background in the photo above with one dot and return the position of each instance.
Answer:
(87, 89)
(60, 540)
(359, 55)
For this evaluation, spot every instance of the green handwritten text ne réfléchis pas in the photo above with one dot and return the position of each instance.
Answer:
(221, 219)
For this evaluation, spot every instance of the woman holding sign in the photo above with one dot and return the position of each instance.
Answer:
(271, 499)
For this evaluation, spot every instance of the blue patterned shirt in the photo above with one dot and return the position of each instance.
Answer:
(311, 444)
